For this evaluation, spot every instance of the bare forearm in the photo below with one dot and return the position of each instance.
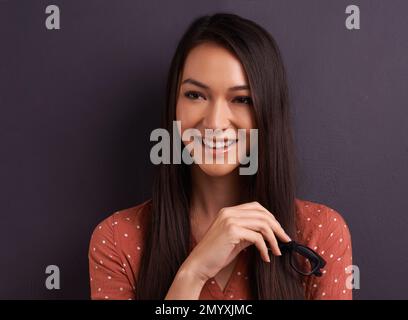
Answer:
(186, 285)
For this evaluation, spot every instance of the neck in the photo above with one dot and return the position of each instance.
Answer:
(211, 194)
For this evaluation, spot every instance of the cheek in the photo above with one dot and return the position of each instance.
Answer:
(187, 115)
(245, 118)
(182, 115)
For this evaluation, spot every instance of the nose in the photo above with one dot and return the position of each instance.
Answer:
(217, 116)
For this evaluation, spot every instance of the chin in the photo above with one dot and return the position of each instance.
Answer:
(217, 170)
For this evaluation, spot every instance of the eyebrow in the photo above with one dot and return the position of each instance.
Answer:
(204, 86)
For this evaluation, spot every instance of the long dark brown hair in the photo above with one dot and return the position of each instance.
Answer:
(168, 237)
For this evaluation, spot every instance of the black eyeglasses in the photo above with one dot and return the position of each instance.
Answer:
(302, 259)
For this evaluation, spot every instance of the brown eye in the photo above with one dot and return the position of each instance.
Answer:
(193, 95)
(243, 100)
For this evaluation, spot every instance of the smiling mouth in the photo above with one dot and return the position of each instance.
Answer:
(219, 145)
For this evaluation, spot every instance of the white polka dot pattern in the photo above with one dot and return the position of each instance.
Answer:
(334, 243)
(113, 244)
(117, 244)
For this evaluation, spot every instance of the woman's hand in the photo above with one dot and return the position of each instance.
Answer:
(234, 229)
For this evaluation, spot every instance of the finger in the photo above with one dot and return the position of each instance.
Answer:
(257, 205)
(250, 205)
(279, 231)
(257, 239)
(264, 228)
(261, 215)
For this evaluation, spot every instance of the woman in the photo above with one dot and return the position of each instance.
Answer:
(209, 232)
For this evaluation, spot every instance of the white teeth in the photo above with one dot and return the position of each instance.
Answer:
(219, 144)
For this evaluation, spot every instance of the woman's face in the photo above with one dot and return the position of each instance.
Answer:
(214, 94)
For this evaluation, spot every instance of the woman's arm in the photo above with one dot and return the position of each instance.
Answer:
(187, 284)
(107, 269)
(234, 229)
(334, 245)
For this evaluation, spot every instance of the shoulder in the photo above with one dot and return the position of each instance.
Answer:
(115, 253)
(318, 223)
(123, 226)
(325, 230)
(317, 215)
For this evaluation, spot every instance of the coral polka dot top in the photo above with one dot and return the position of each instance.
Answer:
(117, 243)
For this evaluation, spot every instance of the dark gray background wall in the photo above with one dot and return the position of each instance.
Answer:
(77, 107)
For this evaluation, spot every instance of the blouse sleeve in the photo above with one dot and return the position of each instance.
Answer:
(108, 277)
(335, 248)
